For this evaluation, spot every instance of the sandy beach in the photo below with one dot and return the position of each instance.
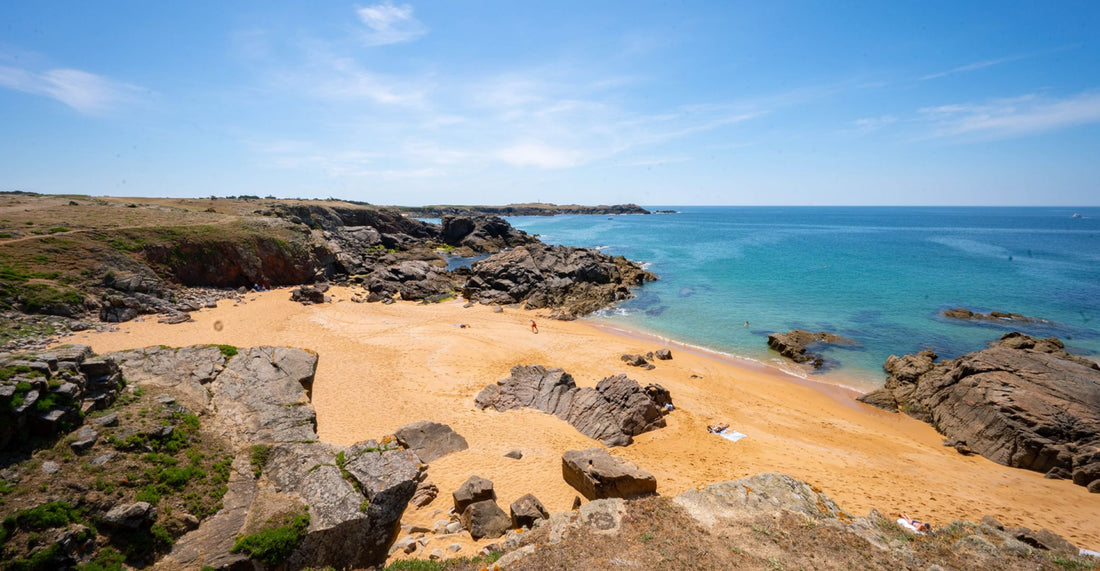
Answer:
(382, 367)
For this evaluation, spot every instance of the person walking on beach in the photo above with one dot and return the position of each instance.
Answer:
(534, 327)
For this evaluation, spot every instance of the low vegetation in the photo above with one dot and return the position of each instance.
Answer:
(273, 545)
(157, 453)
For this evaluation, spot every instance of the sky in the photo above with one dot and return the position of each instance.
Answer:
(484, 102)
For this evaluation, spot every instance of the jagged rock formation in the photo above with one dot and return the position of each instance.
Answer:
(45, 394)
(795, 345)
(613, 412)
(598, 475)
(573, 281)
(260, 396)
(482, 233)
(1022, 402)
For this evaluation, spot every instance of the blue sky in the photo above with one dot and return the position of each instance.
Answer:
(989, 103)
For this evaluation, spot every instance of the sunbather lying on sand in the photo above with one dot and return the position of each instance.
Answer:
(717, 428)
(914, 525)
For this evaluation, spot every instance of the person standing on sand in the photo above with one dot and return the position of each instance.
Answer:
(534, 327)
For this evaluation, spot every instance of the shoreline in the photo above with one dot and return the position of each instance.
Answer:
(382, 367)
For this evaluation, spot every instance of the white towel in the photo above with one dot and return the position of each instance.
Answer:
(905, 523)
(731, 435)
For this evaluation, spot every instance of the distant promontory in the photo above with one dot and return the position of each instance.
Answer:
(526, 209)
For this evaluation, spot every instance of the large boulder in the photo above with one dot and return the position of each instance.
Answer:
(596, 475)
(796, 344)
(613, 412)
(573, 281)
(485, 519)
(1022, 402)
(527, 511)
(474, 489)
(430, 440)
(482, 233)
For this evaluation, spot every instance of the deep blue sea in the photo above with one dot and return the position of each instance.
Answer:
(879, 275)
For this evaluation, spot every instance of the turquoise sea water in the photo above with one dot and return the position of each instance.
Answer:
(880, 275)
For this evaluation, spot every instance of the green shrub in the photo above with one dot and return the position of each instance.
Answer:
(227, 350)
(57, 229)
(41, 560)
(260, 454)
(273, 546)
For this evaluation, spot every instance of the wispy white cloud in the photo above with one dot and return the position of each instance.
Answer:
(975, 66)
(390, 24)
(1015, 117)
(85, 92)
(870, 124)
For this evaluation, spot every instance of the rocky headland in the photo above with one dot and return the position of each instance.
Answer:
(1022, 402)
(531, 209)
(105, 261)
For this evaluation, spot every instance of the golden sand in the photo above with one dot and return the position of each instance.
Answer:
(382, 367)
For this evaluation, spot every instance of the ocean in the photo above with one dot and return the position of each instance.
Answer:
(882, 276)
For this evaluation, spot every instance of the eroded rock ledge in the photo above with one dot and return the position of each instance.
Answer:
(613, 413)
(1022, 402)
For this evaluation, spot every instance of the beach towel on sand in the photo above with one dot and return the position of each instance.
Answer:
(731, 435)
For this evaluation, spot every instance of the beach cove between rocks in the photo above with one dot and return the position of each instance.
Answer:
(385, 366)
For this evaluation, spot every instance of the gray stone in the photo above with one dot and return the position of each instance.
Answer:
(474, 489)
(663, 354)
(436, 555)
(49, 467)
(106, 420)
(596, 474)
(85, 439)
(454, 547)
(485, 519)
(131, 516)
(430, 440)
(526, 511)
(514, 454)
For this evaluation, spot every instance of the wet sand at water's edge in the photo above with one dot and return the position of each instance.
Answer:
(384, 366)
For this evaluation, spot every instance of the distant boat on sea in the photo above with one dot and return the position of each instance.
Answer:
(1076, 215)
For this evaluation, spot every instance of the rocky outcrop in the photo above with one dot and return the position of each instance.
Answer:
(482, 233)
(771, 521)
(796, 344)
(613, 412)
(1000, 316)
(47, 393)
(430, 440)
(597, 475)
(1022, 402)
(476, 503)
(572, 281)
(354, 496)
